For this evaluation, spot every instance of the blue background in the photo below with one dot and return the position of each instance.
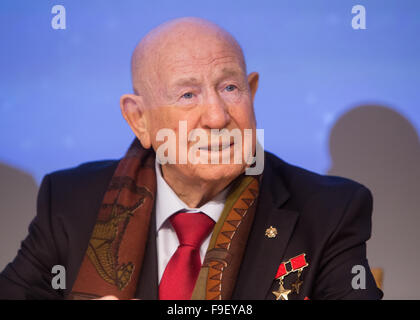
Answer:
(60, 89)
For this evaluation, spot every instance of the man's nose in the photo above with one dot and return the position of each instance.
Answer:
(214, 113)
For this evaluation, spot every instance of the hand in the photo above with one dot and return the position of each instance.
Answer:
(110, 297)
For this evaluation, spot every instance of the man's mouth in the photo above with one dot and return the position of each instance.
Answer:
(216, 147)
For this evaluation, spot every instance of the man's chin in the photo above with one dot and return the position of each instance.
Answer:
(217, 172)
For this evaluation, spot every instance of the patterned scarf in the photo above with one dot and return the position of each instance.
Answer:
(114, 256)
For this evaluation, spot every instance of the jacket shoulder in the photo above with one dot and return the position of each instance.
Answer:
(87, 169)
(320, 199)
(79, 187)
(85, 176)
(303, 183)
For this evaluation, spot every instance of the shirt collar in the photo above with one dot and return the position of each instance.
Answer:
(167, 202)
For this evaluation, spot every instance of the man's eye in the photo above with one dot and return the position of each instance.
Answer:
(230, 88)
(187, 95)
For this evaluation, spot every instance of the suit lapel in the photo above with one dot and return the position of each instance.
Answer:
(263, 254)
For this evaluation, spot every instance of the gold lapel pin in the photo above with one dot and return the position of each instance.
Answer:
(271, 232)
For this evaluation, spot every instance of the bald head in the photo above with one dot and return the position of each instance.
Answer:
(174, 41)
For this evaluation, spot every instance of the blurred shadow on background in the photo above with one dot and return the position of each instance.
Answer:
(18, 191)
(379, 148)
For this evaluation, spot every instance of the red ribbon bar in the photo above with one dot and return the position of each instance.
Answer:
(298, 262)
(281, 271)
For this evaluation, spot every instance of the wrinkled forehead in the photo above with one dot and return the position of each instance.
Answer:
(201, 56)
(199, 60)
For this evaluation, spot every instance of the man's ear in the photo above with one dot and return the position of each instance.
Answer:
(253, 83)
(132, 109)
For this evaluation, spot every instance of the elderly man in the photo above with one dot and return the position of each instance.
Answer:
(161, 225)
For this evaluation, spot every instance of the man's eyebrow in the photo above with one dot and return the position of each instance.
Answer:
(185, 82)
(230, 73)
(226, 72)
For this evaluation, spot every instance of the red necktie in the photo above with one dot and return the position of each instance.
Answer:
(182, 270)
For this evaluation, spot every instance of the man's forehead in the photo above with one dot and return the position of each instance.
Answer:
(220, 62)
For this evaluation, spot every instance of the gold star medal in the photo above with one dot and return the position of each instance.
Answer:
(282, 293)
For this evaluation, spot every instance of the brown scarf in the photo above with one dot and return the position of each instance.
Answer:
(114, 257)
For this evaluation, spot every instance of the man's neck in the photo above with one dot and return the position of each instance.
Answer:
(192, 192)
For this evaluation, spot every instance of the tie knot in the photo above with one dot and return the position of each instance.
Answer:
(192, 228)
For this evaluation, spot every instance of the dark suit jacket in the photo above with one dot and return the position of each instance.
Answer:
(328, 218)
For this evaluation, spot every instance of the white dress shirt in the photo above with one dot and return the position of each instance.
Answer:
(167, 203)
